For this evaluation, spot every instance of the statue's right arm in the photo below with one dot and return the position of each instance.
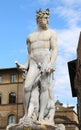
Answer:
(20, 66)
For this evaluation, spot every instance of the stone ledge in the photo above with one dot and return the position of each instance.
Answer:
(36, 127)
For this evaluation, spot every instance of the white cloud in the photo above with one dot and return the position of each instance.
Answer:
(68, 40)
(62, 85)
(70, 15)
(67, 44)
(64, 2)
(71, 2)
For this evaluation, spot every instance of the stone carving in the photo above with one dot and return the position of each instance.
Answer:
(38, 89)
(38, 102)
(60, 127)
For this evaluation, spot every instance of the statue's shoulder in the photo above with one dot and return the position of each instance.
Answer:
(32, 34)
(52, 32)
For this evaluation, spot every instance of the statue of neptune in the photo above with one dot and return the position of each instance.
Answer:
(42, 53)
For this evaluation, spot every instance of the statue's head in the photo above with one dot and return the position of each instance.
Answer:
(42, 18)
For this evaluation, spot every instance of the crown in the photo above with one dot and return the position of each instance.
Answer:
(41, 13)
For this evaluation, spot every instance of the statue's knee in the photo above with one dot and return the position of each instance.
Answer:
(44, 88)
(27, 89)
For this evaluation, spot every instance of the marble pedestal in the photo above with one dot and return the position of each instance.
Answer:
(36, 127)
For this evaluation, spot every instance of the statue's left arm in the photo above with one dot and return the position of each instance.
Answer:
(53, 47)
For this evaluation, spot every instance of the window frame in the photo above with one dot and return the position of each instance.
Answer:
(11, 119)
(12, 98)
(13, 78)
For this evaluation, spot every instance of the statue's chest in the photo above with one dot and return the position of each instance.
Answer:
(40, 36)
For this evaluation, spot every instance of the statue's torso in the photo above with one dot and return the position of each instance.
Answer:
(40, 45)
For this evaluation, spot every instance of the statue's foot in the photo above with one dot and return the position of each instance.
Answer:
(45, 122)
(25, 120)
(60, 127)
(22, 119)
(42, 121)
(50, 121)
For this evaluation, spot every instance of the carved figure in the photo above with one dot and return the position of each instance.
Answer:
(40, 63)
(60, 127)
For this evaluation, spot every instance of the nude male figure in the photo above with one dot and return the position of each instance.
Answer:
(40, 60)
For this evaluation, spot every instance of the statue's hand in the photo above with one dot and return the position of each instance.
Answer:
(48, 68)
(20, 66)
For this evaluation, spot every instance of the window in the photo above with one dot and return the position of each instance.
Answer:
(11, 119)
(0, 78)
(12, 98)
(0, 98)
(13, 78)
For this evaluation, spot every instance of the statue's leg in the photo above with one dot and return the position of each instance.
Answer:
(34, 103)
(44, 96)
(30, 78)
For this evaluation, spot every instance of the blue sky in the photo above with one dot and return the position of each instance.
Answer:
(17, 21)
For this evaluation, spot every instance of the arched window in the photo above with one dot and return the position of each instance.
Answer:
(12, 98)
(11, 119)
(0, 98)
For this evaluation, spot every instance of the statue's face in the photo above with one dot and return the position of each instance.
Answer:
(43, 22)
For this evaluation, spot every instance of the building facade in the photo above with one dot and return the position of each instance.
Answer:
(11, 90)
(66, 116)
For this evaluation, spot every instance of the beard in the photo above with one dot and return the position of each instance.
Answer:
(43, 25)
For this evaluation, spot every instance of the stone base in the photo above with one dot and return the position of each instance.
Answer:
(29, 124)
(36, 127)
(32, 127)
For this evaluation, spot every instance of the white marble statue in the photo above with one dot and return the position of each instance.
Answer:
(60, 127)
(42, 54)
